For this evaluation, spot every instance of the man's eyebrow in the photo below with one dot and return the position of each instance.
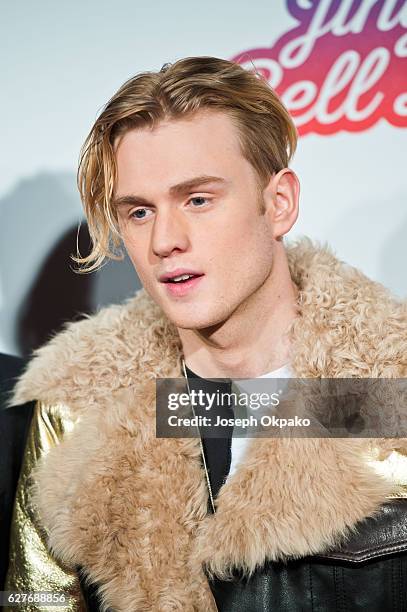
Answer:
(191, 184)
(176, 190)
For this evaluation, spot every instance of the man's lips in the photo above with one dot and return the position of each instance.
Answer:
(168, 277)
(181, 287)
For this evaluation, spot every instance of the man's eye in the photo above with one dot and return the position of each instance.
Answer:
(199, 201)
(140, 213)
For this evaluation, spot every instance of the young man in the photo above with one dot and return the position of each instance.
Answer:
(188, 167)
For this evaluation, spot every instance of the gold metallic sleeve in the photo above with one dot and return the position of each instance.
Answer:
(31, 566)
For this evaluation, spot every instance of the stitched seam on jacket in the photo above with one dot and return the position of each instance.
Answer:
(352, 556)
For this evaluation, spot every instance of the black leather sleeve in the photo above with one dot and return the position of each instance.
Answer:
(14, 425)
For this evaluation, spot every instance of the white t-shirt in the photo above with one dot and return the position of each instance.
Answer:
(239, 445)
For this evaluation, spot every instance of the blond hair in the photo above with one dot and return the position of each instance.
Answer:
(266, 131)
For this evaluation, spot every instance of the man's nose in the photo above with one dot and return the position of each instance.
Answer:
(169, 234)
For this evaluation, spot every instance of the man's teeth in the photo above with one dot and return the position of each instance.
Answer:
(177, 279)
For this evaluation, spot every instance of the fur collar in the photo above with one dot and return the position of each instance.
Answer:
(132, 509)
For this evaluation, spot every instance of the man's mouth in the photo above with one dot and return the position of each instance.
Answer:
(181, 281)
(179, 275)
(182, 278)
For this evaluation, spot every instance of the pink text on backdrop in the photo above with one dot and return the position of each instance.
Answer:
(343, 67)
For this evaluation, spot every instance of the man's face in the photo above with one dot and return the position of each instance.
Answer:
(188, 201)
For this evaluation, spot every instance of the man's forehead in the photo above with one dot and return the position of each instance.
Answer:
(207, 125)
(176, 158)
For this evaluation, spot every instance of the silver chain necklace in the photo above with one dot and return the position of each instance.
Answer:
(208, 482)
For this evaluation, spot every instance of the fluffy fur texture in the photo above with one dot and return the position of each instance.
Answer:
(132, 508)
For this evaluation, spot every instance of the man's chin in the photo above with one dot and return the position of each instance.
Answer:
(196, 321)
(192, 323)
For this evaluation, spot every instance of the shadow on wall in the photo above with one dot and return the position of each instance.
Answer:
(57, 295)
(39, 290)
(33, 214)
(60, 294)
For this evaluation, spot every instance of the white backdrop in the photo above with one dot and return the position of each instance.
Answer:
(62, 61)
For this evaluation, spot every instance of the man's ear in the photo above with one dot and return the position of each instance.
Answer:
(281, 199)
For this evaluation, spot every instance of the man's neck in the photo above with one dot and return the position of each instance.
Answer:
(254, 340)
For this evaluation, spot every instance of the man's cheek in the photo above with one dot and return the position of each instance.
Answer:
(139, 268)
